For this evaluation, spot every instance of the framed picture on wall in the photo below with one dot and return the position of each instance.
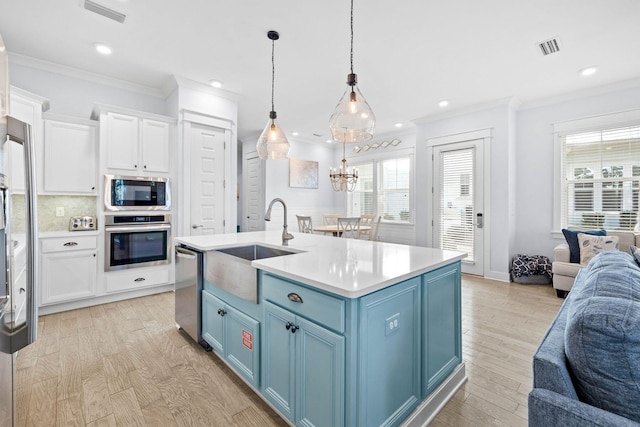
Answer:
(303, 173)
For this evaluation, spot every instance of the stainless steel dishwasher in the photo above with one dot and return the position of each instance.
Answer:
(188, 291)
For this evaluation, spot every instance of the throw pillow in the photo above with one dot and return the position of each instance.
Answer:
(571, 236)
(635, 251)
(590, 246)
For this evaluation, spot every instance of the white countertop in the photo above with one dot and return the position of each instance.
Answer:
(62, 233)
(348, 267)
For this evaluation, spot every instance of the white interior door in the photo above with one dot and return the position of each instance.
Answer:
(207, 180)
(254, 192)
(458, 201)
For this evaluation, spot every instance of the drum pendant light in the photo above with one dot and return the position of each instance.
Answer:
(272, 144)
(352, 120)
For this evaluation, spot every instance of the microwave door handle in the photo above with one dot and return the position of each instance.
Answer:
(20, 132)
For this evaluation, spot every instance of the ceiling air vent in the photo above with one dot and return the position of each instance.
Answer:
(104, 11)
(548, 47)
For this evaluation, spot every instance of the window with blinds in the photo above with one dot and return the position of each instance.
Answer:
(362, 196)
(394, 189)
(383, 188)
(601, 172)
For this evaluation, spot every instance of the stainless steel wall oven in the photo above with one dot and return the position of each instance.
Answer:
(137, 241)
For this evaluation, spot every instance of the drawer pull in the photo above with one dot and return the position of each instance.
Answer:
(294, 297)
(221, 312)
(140, 279)
(71, 244)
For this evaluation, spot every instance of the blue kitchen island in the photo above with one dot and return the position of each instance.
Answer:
(340, 332)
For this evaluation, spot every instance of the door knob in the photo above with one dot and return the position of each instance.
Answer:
(194, 226)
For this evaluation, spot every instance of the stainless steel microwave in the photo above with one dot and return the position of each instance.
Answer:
(140, 193)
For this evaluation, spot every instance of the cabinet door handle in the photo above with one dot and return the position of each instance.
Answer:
(221, 312)
(140, 279)
(70, 244)
(294, 297)
(291, 327)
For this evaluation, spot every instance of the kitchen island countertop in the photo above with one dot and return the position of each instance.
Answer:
(348, 267)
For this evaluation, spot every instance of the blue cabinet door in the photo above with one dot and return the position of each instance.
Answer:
(389, 354)
(213, 322)
(278, 359)
(442, 328)
(320, 357)
(242, 344)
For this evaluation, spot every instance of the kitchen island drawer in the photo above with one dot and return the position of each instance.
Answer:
(71, 243)
(314, 305)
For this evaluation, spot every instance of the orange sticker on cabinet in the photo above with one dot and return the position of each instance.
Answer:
(247, 339)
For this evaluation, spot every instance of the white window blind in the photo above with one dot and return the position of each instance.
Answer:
(601, 176)
(362, 196)
(383, 188)
(456, 201)
(394, 189)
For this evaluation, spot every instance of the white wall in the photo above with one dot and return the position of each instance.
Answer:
(76, 97)
(302, 201)
(500, 120)
(534, 196)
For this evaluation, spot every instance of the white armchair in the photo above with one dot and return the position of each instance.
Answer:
(565, 272)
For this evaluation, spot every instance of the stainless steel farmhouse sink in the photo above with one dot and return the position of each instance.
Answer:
(230, 268)
(252, 252)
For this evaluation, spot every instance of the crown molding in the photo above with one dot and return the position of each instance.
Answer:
(583, 93)
(179, 81)
(510, 102)
(76, 73)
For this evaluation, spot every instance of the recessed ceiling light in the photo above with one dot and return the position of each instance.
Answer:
(589, 71)
(103, 48)
(329, 141)
(443, 103)
(216, 83)
(398, 125)
(295, 133)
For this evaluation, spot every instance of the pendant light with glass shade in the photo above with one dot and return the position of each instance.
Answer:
(273, 143)
(352, 120)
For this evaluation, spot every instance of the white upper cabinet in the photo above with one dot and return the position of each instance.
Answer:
(155, 146)
(137, 145)
(70, 156)
(122, 141)
(27, 108)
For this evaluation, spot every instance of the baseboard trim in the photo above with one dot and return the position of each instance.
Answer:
(104, 299)
(431, 406)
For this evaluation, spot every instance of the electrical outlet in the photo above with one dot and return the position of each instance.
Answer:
(392, 324)
(60, 211)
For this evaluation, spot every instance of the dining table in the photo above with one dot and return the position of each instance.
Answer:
(333, 228)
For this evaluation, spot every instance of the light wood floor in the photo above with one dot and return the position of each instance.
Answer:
(125, 364)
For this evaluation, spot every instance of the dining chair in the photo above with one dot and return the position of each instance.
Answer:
(349, 227)
(304, 224)
(373, 233)
(330, 219)
(366, 220)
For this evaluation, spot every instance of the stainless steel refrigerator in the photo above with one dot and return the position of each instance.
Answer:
(18, 237)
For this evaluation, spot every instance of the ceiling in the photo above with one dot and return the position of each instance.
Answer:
(409, 54)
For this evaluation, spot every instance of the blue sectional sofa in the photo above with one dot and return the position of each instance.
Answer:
(586, 371)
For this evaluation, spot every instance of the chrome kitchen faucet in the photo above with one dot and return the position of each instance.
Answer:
(286, 236)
